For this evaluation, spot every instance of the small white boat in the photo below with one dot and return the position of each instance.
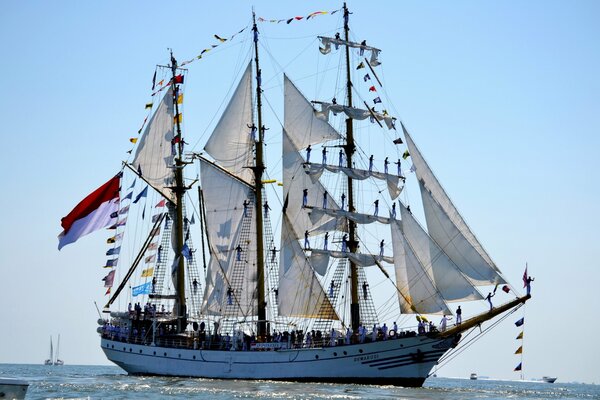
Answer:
(473, 376)
(549, 379)
(13, 388)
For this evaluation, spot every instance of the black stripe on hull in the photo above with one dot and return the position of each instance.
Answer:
(403, 382)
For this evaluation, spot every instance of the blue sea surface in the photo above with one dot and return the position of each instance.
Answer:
(108, 382)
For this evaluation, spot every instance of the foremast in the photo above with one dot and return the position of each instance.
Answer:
(258, 169)
(179, 190)
(350, 148)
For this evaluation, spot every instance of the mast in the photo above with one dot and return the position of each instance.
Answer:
(258, 186)
(179, 190)
(349, 149)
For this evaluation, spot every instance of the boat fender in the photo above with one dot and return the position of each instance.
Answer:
(392, 333)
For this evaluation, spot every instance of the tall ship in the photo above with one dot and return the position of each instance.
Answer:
(321, 273)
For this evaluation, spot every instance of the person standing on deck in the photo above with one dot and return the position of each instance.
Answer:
(325, 241)
(308, 150)
(324, 152)
(458, 316)
(376, 204)
(371, 163)
(304, 197)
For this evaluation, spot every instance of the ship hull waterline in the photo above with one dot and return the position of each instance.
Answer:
(401, 362)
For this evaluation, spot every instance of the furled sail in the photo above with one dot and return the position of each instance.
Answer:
(315, 171)
(417, 293)
(447, 227)
(227, 228)
(300, 120)
(448, 279)
(328, 41)
(321, 257)
(232, 139)
(317, 213)
(355, 113)
(295, 181)
(155, 153)
(299, 294)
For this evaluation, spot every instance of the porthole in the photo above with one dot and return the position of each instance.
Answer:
(317, 356)
(130, 349)
(360, 350)
(194, 357)
(335, 354)
(165, 354)
(345, 353)
(154, 353)
(179, 355)
(140, 351)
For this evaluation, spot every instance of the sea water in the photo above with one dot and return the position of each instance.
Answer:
(108, 382)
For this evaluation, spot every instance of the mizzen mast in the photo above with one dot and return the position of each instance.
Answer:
(258, 169)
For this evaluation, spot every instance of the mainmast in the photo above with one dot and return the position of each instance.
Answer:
(259, 168)
(349, 149)
(179, 190)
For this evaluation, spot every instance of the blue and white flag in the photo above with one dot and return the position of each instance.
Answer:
(142, 289)
(520, 322)
(132, 185)
(143, 193)
(113, 251)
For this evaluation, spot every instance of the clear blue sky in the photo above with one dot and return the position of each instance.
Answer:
(502, 98)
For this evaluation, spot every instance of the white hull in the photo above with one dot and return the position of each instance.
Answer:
(405, 361)
(13, 388)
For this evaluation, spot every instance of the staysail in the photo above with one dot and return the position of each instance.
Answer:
(232, 140)
(155, 152)
(447, 227)
(417, 293)
(300, 293)
(448, 279)
(228, 226)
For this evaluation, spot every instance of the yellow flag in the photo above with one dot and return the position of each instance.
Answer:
(519, 350)
(133, 140)
(520, 336)
(148, 272)
(178, 116)
(269, 181)
(180, 98)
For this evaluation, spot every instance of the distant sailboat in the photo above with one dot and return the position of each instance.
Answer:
(51, 357)
(58, 361)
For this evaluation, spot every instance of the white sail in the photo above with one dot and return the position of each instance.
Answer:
(455, 245)
(447, 278)
(227, 228)
(447, 227)
(295, 181)
(393, 181)
(417, 293)
(355, 113)
(231, 141)
(299, 293)
(300, 121)
(155, 151)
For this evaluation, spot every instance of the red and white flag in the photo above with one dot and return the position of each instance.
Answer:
(96, 211)
(525, 276)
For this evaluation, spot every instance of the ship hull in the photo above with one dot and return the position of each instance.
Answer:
(402, 362)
